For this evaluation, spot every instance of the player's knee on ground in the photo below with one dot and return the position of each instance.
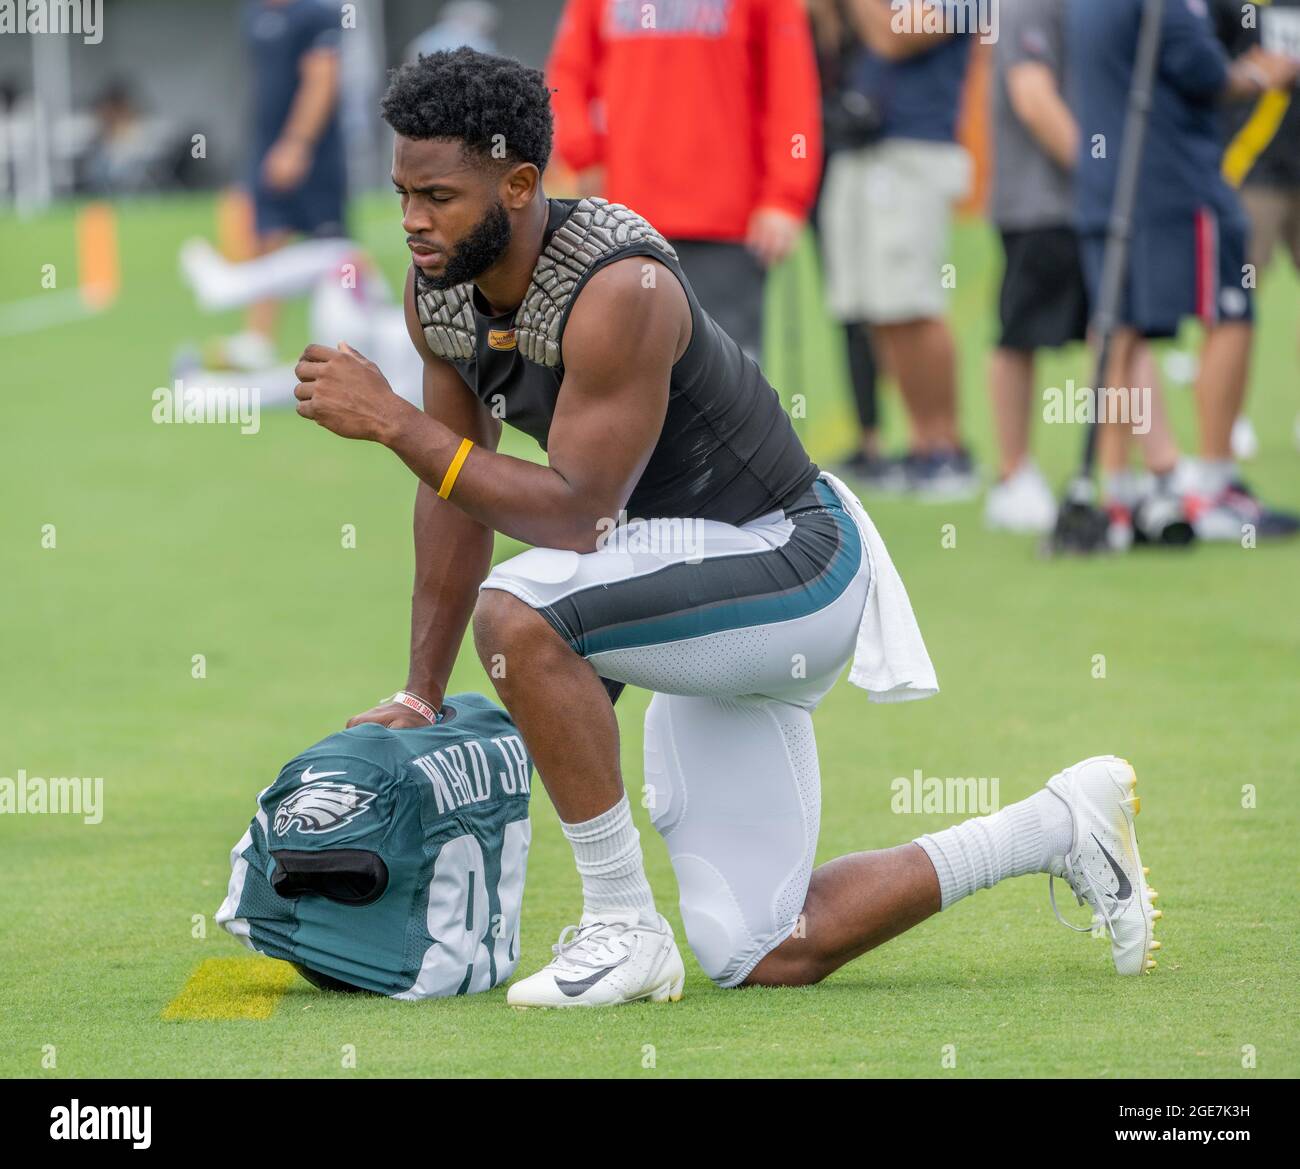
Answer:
(777, 969)
(731, 785)
(797, 961)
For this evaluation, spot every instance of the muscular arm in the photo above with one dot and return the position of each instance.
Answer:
(628, 326)
(619, 347)
(453, 552)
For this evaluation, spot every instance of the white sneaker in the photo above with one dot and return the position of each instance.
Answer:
(1021, 503)
(1103, 867)
(206, 271)
(247, 352)
(607, 960)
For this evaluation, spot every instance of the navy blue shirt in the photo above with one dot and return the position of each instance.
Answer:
(1180, 167)
(278, 36)
(920, 96)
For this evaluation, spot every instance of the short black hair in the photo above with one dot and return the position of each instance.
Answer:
(475, 97)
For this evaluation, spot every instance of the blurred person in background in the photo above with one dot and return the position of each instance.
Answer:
(298, 180)
(705, 117)
(1044, 301)
(886, 219)
(118, 160)
(1262, 156)
(348, 301)
(849, 121)
(1188, 251)
(1044, 298)
(132, 151)
(472, 23)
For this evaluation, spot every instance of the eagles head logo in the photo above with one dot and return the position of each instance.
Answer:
(321, 807)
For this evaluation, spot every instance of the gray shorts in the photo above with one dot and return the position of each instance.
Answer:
(885, 221)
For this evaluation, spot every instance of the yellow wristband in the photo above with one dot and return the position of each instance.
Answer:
(458, 461)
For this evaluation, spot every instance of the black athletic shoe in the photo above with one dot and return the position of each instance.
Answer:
(941, 476)
(1229, 515)
(878, 473)
(1161, 517)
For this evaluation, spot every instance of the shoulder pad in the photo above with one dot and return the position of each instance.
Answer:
(447, 318)
(594, 230)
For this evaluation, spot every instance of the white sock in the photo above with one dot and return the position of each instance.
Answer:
(1214, 475)
(608, 852)
(1122, 487)
(1018, 840)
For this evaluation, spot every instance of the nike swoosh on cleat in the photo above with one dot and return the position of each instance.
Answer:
(571, 989)
(1125, 889)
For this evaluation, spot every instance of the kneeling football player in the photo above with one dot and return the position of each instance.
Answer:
(682, 542)
(392, 861)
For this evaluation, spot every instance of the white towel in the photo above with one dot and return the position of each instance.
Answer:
(891, 662)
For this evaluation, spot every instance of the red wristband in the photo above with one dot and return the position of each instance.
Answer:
(417, 704)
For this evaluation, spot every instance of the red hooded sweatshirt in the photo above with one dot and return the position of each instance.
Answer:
(700, 111)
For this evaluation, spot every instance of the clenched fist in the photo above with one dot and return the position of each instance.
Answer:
(345, 392)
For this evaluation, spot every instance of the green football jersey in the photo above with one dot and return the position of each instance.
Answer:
(392, 861)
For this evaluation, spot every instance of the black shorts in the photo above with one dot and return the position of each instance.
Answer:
(1044, 302)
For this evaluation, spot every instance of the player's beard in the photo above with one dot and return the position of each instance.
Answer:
(478, 251)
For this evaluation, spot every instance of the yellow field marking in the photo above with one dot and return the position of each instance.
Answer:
(231, 988)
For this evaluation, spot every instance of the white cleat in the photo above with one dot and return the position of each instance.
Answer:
(1103, 867)
(1021, 503)
(607, 960)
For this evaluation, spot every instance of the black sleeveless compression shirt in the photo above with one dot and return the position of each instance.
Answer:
(727, 450)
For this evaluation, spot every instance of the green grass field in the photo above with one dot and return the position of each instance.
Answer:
(173, 541)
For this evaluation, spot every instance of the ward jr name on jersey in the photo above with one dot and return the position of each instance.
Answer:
(464, 773)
